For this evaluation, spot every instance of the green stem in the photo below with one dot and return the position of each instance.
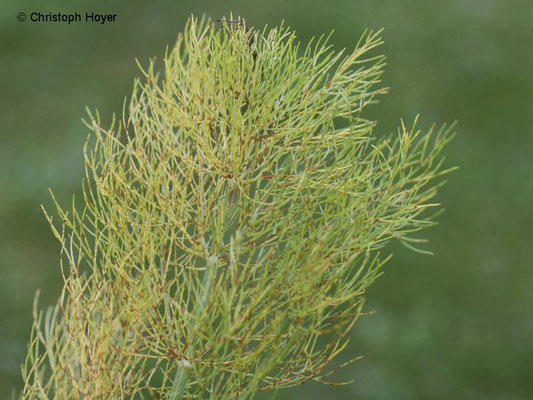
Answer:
(180, 380)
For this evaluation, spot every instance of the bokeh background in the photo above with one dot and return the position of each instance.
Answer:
(456, 325)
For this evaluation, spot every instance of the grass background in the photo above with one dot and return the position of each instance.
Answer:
(458, 324)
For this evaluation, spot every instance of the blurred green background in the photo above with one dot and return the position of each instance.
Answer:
(458, 324)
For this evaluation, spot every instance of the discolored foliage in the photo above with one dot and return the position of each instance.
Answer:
(230, 223)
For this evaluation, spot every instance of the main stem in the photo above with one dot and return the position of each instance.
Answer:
(180, 380)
